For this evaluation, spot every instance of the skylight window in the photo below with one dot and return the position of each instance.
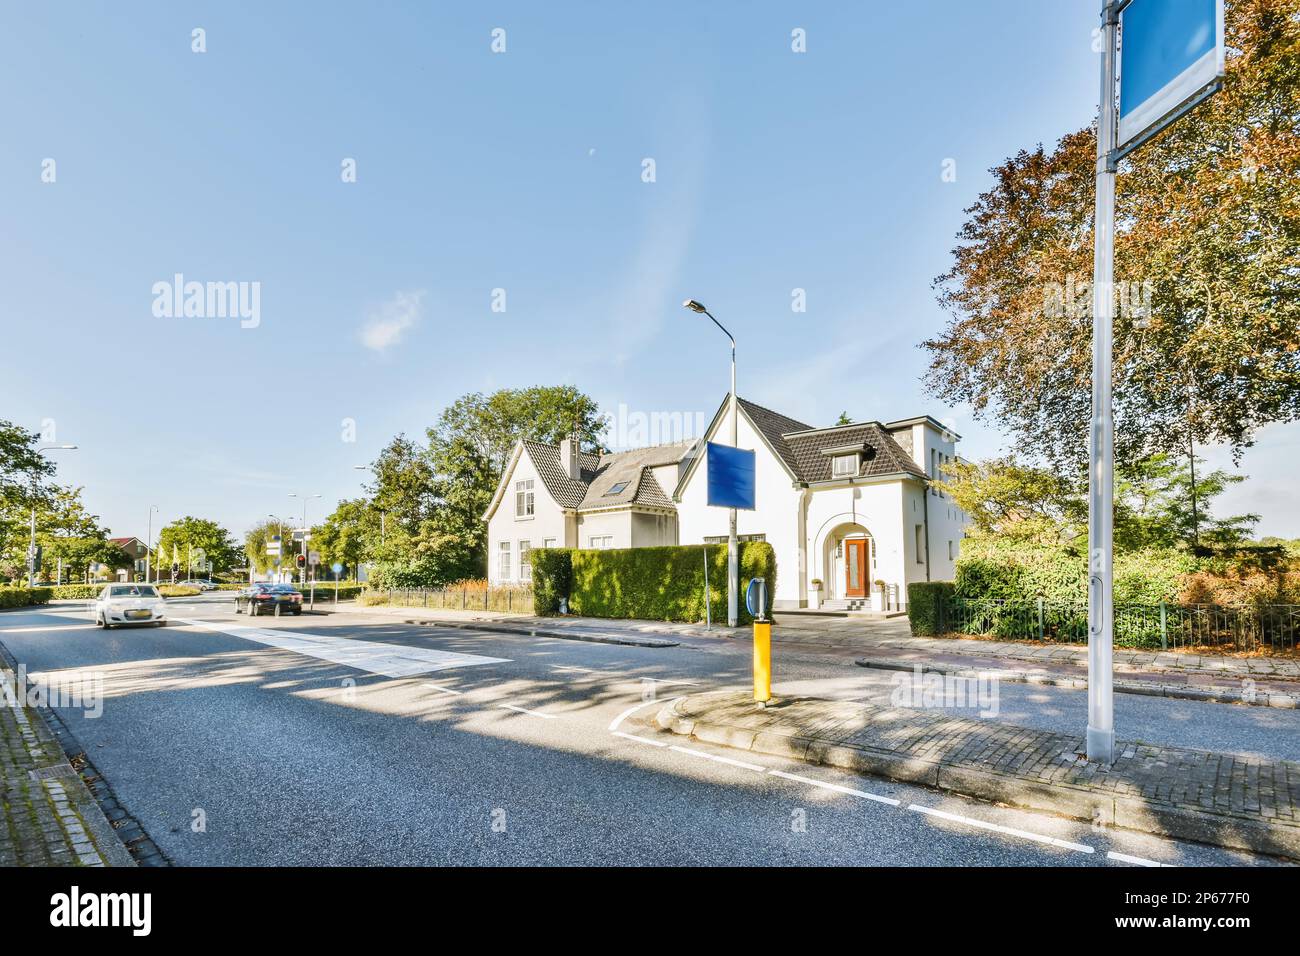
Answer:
(616, 489)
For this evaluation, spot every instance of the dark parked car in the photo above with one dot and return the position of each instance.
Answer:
(269, 598)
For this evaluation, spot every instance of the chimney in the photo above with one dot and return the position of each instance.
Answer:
(570, 460)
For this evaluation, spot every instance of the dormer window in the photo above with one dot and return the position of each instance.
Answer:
(844, 466)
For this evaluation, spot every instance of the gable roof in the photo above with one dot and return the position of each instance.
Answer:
(633, 469)
(599, 475)
(774, 427)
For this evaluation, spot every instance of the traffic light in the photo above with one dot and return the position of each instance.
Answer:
(176, 567)
(302, 560)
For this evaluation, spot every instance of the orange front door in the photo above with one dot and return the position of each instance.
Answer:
(855, 567)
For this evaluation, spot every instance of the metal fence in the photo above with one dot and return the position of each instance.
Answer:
(513, 600)
(1269, 629)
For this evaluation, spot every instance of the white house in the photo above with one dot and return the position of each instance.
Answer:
(559, 496)
(852, 506)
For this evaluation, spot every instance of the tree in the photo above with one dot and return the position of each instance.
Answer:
(1009, 499)
(1207, 335)
(844, 419)
(200, 540)
(23, 474)
(349, 534)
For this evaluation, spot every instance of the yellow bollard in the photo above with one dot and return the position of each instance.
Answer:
(762, 661)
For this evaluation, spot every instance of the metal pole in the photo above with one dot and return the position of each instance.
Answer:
(31, 546)
(733, 545)
(1101, 709)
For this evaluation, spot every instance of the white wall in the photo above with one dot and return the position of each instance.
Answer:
(548, 521)
(617, 524)
(776, 515)
(877, 507)
(947, 523)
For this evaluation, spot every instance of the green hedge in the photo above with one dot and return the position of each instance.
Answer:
(76, 592)
(925, 601)
(656, 584)
(552, 578)
(23, 597)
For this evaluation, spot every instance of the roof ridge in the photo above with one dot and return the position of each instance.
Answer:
(772, 411)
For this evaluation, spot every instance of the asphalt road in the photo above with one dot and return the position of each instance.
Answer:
(352, 739)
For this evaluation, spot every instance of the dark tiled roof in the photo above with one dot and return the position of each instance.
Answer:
(881, 454)
(774, 427)
(632, 469)
(601, 473)
(567, 492)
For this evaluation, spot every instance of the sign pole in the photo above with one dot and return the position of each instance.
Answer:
(1101, 445)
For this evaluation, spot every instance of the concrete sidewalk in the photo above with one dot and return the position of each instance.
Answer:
(1226, 800)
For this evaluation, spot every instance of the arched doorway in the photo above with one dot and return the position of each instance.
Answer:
(849, 559)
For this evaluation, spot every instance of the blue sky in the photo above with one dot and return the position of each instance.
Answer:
(477, 171)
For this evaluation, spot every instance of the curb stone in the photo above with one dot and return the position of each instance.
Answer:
(1216, 695)
(1061, 799)
(547, 632)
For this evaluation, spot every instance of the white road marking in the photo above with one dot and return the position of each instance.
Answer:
(1135, 860)
(530, 713)
(387, 660)
(661, 680)
(633, 709)
(445, 690)
(727, 760)
(998, 828)
(889, 801)
(640, 740)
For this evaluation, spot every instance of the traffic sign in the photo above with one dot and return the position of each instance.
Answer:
(730, 477)
(1171, 56)
(336, 568)
(273, 548)
(313, 558)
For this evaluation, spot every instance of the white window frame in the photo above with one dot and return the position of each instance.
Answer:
(503, 560)
(920, 544)
(525, 560)
(525, 502)
(593, 546)
(854, 466)
(548, 542)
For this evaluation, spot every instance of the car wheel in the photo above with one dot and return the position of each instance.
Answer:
(297, 613)
(252, 609)
(99, 621)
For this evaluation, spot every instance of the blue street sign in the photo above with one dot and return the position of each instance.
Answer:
(336, 568)
(1170, 57)
(731, 477)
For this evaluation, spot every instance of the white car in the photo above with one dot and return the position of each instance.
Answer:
(129, 604)
(201, 584)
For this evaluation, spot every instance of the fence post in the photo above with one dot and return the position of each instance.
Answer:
(1164, 630)
(464, 597)
(510, 601)
(486, 592)
(1040, 618)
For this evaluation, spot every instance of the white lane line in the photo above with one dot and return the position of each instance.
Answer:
(445, 690)
(375, 657)
(581, 670)
(889, 801)
(530, 713)
(640, 740)
(1135, 860)
(633, 709)
(714, 757)
(998, 828)
(661, 680)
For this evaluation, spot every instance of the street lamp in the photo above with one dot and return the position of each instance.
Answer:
(31, 545)
(148, 546)
(733, 547)
(302, 577)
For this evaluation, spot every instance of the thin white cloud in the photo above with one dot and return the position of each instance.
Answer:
(386, 326)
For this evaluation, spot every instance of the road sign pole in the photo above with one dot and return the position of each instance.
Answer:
(733, 545)
(1101, 445)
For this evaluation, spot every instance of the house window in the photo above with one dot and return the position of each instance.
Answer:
(548, 542)
(950, 551)
(526, 561)
(524, 498)
(601, 542)
(615, 489)
(843, 466)
(920, 544)
(503, 561)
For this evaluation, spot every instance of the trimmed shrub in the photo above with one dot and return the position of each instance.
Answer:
(925, 606)
(552, 578)
(76, 592)
(176, 591)
(665, 583)
(23, 597)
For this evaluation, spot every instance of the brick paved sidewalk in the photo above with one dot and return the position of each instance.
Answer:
(1228, 800)
(49, 817)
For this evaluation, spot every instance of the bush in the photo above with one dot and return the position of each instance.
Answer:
(666, 583)
(76, 592)
(24, 597)
(925, 606)
(176, 591)
(552, 578)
